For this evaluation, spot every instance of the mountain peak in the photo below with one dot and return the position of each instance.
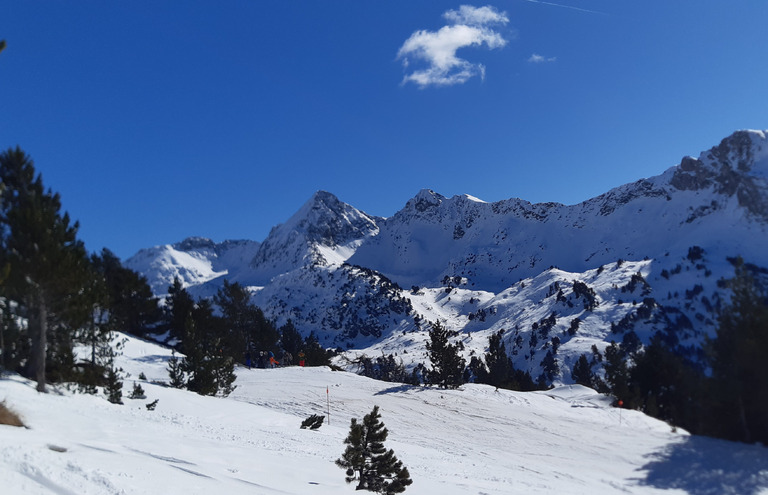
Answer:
(194, 242)
(319, 232)
(737, 167)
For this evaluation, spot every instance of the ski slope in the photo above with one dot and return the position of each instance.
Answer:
(474, 440)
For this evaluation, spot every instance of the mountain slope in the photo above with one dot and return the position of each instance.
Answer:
(556, 280)
(475, 440)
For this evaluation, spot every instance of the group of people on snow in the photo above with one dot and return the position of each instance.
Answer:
(267, 359)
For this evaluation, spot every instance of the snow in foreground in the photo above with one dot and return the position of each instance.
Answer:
(475, 440)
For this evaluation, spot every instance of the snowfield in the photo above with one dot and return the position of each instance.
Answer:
(474, 440)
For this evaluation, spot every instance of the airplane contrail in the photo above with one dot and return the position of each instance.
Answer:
(566, 6)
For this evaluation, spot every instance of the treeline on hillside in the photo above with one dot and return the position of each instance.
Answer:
(725, 397)
(449, 369)
(55, 297)
(213, 343)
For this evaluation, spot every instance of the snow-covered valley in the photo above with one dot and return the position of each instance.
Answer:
(473, 440)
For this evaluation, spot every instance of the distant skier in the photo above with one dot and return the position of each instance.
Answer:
(248, 359)
(301, 358)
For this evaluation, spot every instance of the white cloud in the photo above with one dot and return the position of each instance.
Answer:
(539, 59)
(476, 16)
(468, 27)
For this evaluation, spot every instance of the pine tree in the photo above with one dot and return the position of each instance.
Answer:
(737, 356)
(178, 309)
(582, 372)
(113, 388)
(497, 361)
(290, 339)
(207, 368)
(132, 306)
(316, 355)
(47, 263)
(242, 320)
(175, 372)
(447, 364)
(366, 460)
(137, 392)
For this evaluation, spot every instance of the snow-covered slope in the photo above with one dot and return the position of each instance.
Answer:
(474, 440)
(643, 258)
(195, 261)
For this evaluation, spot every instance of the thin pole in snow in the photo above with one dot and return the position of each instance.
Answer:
(621, 404)
(328, 400)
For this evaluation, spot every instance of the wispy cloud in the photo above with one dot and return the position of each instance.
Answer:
(566, 6)
(468, 26)
(540, 59)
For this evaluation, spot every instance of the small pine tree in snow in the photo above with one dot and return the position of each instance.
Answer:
(367, 461)
(137, 392)
(447, 364)
(114, 386)
(175, 373)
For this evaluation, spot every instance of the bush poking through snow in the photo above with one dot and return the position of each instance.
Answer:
(8, 416)
(313, 422)
(137, 392)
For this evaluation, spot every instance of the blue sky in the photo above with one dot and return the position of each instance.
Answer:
(161, 120)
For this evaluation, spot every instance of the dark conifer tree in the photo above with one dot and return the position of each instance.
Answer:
(367, 460)
(497, 361)
(617, 374)
(316, 354)
(290, 339)
(175, 372)
(740, 392)
(582, 372)
(447, 364)
(132, 306)
(243, 322)
(208, 370)
(178, 309)
(47, 263)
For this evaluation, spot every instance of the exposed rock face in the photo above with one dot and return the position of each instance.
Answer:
(643, 259)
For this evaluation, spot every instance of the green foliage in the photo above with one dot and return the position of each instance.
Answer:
(733, 402)
(245, 327)
(740, 383)
(290, 339)
(176, 375)
(46, 262)
(315, 354)
(582, 372)
(367, 460)
(132, 306)
(447, 364)
(497, 361)
(114, 386)
(385, 368)
(206, 368)
(178, 309)
(137, 392)
(313, 422)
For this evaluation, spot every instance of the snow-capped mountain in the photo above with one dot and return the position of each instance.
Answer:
(643, 258)
(195, 261)
(324, 232)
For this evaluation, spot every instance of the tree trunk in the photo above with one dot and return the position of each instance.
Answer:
(38, 332)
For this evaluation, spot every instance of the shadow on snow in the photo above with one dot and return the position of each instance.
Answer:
(707, 466)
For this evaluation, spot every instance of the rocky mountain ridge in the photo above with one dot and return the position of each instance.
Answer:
(643, 258)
